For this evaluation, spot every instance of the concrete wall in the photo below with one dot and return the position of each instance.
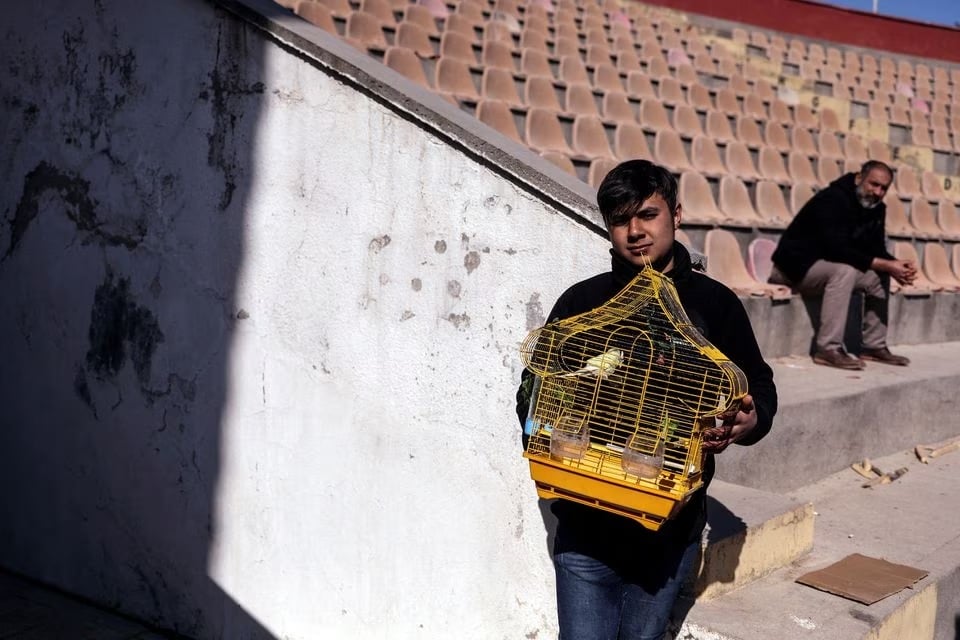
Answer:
(259, 337)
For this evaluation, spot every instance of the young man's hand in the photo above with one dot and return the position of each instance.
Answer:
(735, 427)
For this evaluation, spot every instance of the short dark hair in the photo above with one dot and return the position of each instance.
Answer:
(870, 165)
(631, 183)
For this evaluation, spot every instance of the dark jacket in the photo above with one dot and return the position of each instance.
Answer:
(720, 317)
(832, 226)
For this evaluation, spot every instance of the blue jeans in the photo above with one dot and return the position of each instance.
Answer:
(620, 598)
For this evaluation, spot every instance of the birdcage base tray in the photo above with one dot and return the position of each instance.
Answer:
(649, 507)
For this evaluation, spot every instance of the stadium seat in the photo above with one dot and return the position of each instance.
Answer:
(599, 168)
(932, 185)
(829, 121)
(936, 266)
(653, 116)
(879, 150)
(382, 9)
(897, 224)
(760, 258)
(697, 199)
(457, 46)
(748, 132)
(580, 100)
(780, 112)
(948, 218)
(800, 169)
(573, 71)
(364, 31)
(924, 219)
(453, 78)
(771, 206)
(630, 142)
(735, 203)
(801, 141)
(531, 38)
(406, 63)
(683, 238)
(670, 91)
(497, 114)
(421, 16)
(669, 152)
(318, 15)
(698, 96)
(606, 78)
(739, 162)
(804, 117)
(498, 84)
(462, 24)
(639, 86)
(533, 63)
(828, 170)
(412, 36)
(706, 158)
(628, 62)
(854, 149)
(590, 138)
(718, 127)
(686, 121)
(616, 108)
(828, 145)
(725, 263)
(561, 160)
(907, 183)
(543, 132)
(539, 92)
(800, 195)
(498, 54)
(338, 8)
(754, 107)
(775, 136)
(727, 103)
(772, 167)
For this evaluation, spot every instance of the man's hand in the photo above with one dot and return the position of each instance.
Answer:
(735, 427)
(903, 271)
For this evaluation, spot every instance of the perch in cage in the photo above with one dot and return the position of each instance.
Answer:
(621, 397)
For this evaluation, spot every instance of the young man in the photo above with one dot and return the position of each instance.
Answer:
(836, 245)
(617, 580)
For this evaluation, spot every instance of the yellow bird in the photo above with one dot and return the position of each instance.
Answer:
(600, 366)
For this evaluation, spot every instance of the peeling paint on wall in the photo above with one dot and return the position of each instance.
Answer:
(81, 208)
(534, 312)
(118, 328)
(471, 261)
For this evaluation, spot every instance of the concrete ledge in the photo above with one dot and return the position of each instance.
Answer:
(751, 534)
(880, 522)
(830, 418)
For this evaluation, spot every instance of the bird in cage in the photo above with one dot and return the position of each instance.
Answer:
(622, 398)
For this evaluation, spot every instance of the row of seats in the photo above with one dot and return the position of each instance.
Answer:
(748, 276)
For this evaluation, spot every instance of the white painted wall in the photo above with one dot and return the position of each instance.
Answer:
(322, 444)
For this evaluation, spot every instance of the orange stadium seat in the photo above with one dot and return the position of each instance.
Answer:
(580, 100)
(735, 202)
(339, 8)
(718, 127)
(457, 46)
(671, 92)
(364, 31)
(318, 15)
(932, 185)
(727, 102)
(599, 168)
(572, 70)
(922, 285)
(412, 36)
(924, 219)
(653, 116)
(497, 114)
(539, 92)
(699, 97)
(498, 84)
(590, 138)
(698, 203)
(770, 204)
(854, 149)
(739, 162)
(907, 183)
(775, 136)
(533, 39)
(897, 224)
(948, 219)
(686, 121)
(772, 167)
(828, 146)
(800, 194)
(606, 78)
(495, 53)
(669, 152)
(406, 63)
(936, 266)
(800, 169)
(543, 132)
(421, 16)
(630, 142)
(382, 9)
(453, 78)
(561, 160)
(802, 142)
(725, 263)
(616, 108)
(706, 158)
(828, 170)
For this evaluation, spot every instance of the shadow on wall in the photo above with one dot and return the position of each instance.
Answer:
(128, 154)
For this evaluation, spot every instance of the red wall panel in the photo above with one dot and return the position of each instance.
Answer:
(827, 22)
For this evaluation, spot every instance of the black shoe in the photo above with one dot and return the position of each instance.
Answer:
(883, 355)
(837, 358)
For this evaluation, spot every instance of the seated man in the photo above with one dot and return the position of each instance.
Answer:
(836, 245)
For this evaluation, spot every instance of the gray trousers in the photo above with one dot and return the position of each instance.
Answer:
(835, 283)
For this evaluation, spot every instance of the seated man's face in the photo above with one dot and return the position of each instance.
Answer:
(873, 187)
(644, 233)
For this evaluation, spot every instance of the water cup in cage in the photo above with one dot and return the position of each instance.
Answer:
(570, 437)
(643, 456)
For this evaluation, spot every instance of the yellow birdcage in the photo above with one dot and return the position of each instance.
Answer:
(620, 401)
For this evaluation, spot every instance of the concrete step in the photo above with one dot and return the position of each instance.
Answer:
(830, 417)
(913, 521)
(750, 534)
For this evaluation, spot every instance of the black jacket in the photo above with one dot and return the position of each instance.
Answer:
(720, 317)
(832, 226)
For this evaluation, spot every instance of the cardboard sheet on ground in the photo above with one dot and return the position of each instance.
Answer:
(861, 578)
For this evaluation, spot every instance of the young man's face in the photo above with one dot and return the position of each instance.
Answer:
(645, 234)
(872, 187)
